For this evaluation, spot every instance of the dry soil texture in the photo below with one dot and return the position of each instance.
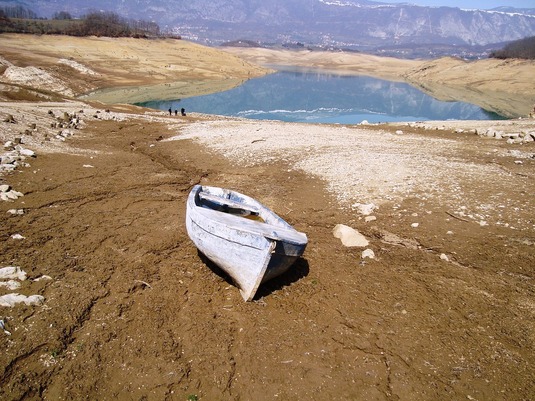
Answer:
(132, 311)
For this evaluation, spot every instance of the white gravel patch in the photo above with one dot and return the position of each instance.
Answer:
(359, 164)
(37, 78)
(78, 67)
(362, 164)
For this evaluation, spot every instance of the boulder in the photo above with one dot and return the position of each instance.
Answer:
(368, 253)
(10, 300)
(26, 152)
(12, 272)
(349, 236)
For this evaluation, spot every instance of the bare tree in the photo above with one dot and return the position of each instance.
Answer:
(62, 15)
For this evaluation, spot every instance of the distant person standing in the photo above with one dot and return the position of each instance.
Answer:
(170, 111)
(183, 111)
(176, 112)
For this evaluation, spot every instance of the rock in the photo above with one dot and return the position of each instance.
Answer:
(26, 152)
(415, 225)
(12, 195)
(43, 277)
(66, 133)
(10, 300)
(7, 159)
(16, 211)
(12, 272)
(10, 285)
(399, 132)
(443, 256)
(368, 253)
(10, 119)
(364, 209)
(393, 239)
(7, 167)
(369, 219)
(349, 236)
(5, 188)
(17, 236)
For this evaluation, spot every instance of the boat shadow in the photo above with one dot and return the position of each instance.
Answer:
(295, 273)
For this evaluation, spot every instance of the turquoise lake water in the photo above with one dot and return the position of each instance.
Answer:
(326, 98)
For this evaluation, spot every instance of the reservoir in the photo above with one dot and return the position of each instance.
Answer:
(312, 97)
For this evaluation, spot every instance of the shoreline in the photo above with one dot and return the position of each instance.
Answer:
(183, 69)
(504, 87)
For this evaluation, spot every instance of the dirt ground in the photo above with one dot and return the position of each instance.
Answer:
(132, 311)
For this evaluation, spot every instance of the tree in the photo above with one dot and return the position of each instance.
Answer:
(19, 12)
(62, 15)
(523, 48)
(104, 24)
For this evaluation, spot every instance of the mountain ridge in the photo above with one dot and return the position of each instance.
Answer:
(345, 24)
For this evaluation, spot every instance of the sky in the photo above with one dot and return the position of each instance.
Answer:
(481, 4)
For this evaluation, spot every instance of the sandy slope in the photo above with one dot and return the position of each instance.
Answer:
(339, 62)
(160, 66)
(132, 311)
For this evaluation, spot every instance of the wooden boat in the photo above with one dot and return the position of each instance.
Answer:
(240, 235)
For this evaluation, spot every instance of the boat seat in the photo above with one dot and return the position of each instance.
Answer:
(228, 202)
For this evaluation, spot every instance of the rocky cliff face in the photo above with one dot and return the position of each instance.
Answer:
(341, 23)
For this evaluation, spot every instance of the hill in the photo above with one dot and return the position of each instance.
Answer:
(341, 24)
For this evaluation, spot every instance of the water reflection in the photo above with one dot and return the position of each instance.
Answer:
(323, 98)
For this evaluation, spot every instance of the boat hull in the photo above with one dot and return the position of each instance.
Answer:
(249, 251)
